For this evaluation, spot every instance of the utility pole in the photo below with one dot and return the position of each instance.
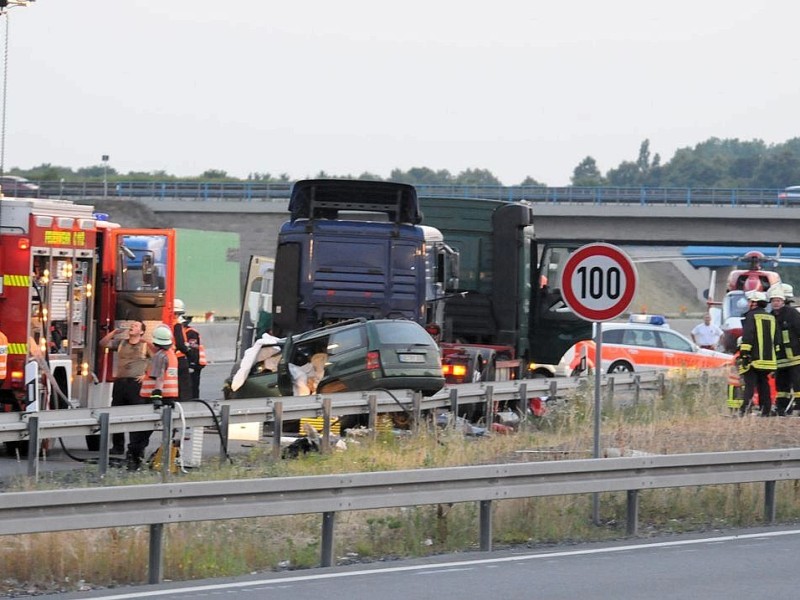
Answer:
(5, 6)
(105, 175)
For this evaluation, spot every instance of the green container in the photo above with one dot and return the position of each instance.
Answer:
(208, 273)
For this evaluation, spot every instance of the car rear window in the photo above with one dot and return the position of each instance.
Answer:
(401, 332)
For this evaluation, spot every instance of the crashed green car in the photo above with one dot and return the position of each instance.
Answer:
(353, 355)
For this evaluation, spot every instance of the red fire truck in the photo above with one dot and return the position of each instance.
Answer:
(69, 276)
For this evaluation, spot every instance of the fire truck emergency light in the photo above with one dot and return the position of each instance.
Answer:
(23, 243)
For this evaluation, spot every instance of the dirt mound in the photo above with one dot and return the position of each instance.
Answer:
(663, 289)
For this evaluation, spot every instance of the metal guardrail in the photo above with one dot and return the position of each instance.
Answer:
(87, 421)
(259, 192)
(159, 504)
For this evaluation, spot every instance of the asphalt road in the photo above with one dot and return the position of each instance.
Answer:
(744, 564)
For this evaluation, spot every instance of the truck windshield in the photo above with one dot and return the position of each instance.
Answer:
(143, 263)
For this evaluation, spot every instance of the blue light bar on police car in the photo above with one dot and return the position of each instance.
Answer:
(649, 319)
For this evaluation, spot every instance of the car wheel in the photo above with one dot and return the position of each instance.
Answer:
(620, 367)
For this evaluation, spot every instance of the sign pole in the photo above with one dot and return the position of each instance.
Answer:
(598, 376)
(598, 284)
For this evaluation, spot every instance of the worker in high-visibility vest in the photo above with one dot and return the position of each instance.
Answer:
(3, 356)
(787, 377)
(735, 388)
(757, 352)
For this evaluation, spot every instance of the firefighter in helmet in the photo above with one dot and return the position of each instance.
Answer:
(181, 349)
(787, 376)
(160, 383)
(757, 352)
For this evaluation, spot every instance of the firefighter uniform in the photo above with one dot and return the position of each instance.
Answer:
(4, 356)
(757, 351)
(787, 376)
(196, 356)
(160, 381)
(735, 385)
(181, 350)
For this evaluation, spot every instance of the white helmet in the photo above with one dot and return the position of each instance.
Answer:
(179, 307)
(788, 291)
(756, 296)
(775, 291)
(162, 336)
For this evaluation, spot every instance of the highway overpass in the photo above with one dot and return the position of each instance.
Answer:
(258, 222)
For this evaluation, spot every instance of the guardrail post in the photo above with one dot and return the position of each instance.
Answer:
(326, 426)
(525, 407)
(328, 522)
(166, 442)
(662, 385)
(102, 460)
(155, 567)
(769, 501)
(33, 446)
(224, 425)
(372, 405)
(610, 388)
(489, 412)
(277, 429)
(486, 525)
(454, 406)
(637, 389)
(553, 389)
(632, 513)
(416, 411)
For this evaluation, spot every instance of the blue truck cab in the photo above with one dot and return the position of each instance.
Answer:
(355, 249)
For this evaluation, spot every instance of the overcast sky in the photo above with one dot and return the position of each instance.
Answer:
(345, 86)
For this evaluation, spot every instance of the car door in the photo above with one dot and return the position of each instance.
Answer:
(678, 351)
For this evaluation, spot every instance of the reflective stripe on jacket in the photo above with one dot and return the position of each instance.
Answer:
(788, 320)
(199, 351)
(759, 339)
(4, 355)
(169, 380)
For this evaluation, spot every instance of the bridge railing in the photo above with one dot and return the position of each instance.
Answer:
(261, 191)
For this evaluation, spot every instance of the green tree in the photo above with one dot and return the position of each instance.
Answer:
(367, 176)
(627, 174)
(532, 182)
(587, 173)
(476, 177)
(214, 174)
(643, 162)
(421, 175)
(96, 171)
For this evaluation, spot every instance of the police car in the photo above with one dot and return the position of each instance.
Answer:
(644, 343)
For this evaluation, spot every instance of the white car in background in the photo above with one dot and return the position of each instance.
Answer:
(790, 194)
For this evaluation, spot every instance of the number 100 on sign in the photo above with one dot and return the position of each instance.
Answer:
(599, 282)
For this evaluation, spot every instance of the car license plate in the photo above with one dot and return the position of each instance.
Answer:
(411, 358)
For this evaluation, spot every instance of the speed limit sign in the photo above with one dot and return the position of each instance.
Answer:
(598, 282)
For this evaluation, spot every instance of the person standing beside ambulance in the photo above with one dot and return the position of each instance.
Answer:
(757, 352)
(787, 376)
